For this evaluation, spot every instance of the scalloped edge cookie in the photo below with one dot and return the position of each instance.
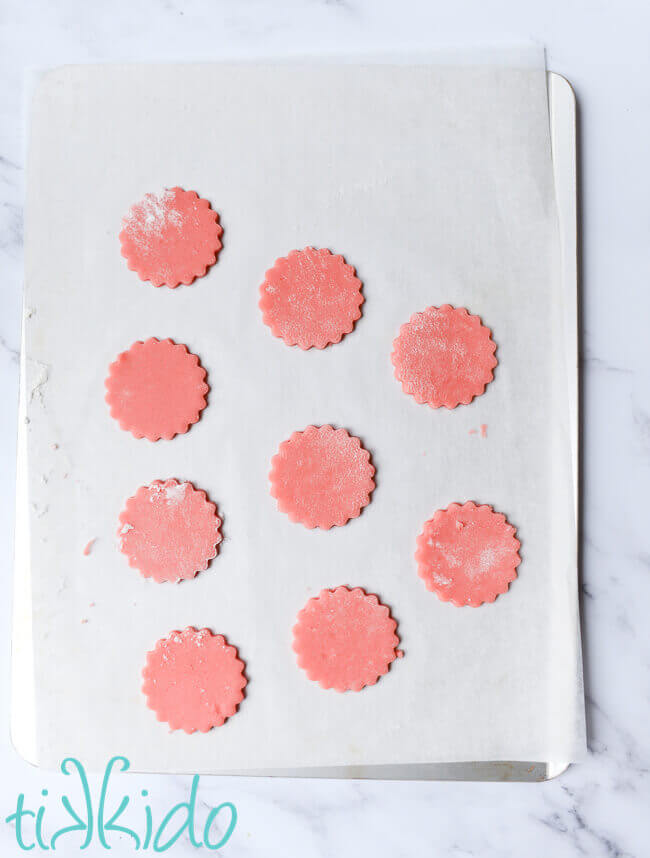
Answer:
(122, 392)
(444, 356)
(160, 529)
(177, 680)
(304, 466)
(345, 639)
(171, 237)
(311, 298)
(454, 564)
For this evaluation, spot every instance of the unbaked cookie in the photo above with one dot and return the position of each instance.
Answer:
(322, 477)
(193, 680)
(171, 237)
(311, 298)
(467, 554)
(156, 389)
(169, 531)
(345, 639)
(444, 356)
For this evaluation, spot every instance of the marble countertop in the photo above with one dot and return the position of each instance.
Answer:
(597, 808)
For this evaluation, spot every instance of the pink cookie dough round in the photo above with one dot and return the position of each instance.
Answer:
(322, 477)
(345, 639)
(468, 554)
(169, 531)
(193, 680)
(311, 298)
(156, 389)
(444, 356)
(171, 237)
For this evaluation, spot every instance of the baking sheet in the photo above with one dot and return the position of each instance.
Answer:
(436, 183)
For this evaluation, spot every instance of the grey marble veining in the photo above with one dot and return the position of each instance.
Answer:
(598, 808)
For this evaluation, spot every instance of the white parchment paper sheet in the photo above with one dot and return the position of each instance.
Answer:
(436, 183)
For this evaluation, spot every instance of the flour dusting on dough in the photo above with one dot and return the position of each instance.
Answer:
(126, 528)
(148, 218)
(175, 494)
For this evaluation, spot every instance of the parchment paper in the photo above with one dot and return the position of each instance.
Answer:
(436, 183)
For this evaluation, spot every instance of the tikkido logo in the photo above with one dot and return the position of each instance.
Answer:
(99, 825)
